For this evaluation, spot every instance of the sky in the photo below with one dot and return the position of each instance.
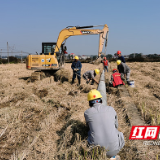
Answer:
(133, 25)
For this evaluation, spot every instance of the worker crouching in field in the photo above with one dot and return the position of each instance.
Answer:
(90, 75)
(105, 64)
(103, 125)
(124, 70)
(116, 79)
(76, 67)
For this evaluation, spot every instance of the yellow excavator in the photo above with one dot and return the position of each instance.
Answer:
(52, 56)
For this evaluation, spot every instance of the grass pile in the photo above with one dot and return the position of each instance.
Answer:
(62, 75)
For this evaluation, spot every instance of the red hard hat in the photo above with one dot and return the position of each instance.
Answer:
(104, 58)
(118, 52)
(115, 70)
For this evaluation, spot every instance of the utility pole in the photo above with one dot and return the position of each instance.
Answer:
(1, 54)
(8, 52)
(21, 56)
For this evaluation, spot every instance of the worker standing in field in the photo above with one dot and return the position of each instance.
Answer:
(90, 75)
(124, 70)
(76, 67)
(103, 125)
(116, 79)
(105, 64)
(120, 57)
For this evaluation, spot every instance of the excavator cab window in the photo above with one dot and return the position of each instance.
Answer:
(48, 47)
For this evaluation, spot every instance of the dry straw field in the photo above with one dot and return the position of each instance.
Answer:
(45, 119)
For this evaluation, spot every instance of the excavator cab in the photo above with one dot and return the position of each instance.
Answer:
(46, 60)
(48, 49)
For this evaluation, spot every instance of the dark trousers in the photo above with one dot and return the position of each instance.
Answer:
(78, 75)
(105, 68)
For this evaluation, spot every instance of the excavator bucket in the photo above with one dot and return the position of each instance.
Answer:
(97, 61)
(103, 37)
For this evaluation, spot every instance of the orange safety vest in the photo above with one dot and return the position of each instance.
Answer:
(105, 63)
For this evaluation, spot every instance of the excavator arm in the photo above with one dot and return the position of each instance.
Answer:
(74, 31)
(56, 60)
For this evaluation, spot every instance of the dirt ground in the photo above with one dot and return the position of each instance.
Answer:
(45, 119)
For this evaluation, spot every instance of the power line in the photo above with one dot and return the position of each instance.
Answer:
(8, 52)
(13, 50)
(18, 52)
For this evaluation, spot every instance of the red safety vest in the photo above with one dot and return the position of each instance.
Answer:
(105, 63)
(117, 79)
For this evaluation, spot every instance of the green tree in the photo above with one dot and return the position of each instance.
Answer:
(115, 54)
(153, 55)
(135, 55)
(102, 56)
(95, 57)
(109, 56)
(131, 56)
(138, 55)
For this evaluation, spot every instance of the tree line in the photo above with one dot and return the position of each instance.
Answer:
(11, 60)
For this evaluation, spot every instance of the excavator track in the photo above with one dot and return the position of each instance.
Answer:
(39, 75)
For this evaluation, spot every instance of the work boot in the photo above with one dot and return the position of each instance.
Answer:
(72, 81)
(79, 81)
(87, 82)
(117, 157)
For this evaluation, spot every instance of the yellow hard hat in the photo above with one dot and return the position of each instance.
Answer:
(76, 57)
(97, 71)
(118, 62)
(94, 94)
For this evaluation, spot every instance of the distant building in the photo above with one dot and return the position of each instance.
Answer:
(72, 55)
(80, 56)
(144, 56)
(19, 57)
(84, 57)
(115, 57)
(4, 57)
(126, 56)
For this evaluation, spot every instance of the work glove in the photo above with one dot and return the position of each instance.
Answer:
(87, 81)
(122, 77)
(110, 82)
(76, 69)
